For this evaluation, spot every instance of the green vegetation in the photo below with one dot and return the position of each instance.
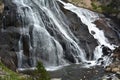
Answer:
(110, 8)
(1, 1)
(39, 74)
(10, 75)
(96, 7)
(101, 6)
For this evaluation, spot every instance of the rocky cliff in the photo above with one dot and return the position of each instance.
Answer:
(111, 8)
(11, 24)
(10, 34)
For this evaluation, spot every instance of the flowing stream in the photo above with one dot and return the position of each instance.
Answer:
(88, 17)
(48, 35)
(40, 15)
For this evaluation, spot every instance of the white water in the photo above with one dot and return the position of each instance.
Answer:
(45, 47)
(88, 17)
(38, 16)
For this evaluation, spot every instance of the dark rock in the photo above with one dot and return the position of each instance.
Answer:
(80, 30)
(9, 36)
(10, 16)
(26, 45)
(116, 54)
(118, 15)
(9, 59)
(106, 51)
(76, 72)
(93, 32)
(110, 30)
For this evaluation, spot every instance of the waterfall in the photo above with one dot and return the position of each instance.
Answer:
(45, 35)
(88, 17)
(49, 38)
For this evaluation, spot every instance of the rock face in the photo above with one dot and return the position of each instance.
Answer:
(80, 30)
(114, 5)
(115, 66)
(116, 54)
(111, 30)
(111, 8)
(10, 35)
(76, 72)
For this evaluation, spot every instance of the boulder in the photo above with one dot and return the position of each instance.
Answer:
(114, 67)
(116, 54)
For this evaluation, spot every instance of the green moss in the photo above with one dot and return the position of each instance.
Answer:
(11, 75)
(39, 74)
(105, 8)
(1, 1)
(96, 7)
(109, 9)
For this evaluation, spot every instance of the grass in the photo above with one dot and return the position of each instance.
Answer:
(10, 75)
(39, 74)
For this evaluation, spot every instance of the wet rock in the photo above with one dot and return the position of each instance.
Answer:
(80, 30)
(115, 66)
(8, 48)
(116, 54)
(77, 72)
(118, 16)
(110, 77)
(110, 30)
(9, 36)
(93, 32)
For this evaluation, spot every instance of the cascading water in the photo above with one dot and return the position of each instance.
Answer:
(49, 37)
(45, 35)
(88, 17)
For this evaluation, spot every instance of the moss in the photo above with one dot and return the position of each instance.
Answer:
(39, 74)
(1, 1)
(94, 5)
(11, 75)
(110, 8)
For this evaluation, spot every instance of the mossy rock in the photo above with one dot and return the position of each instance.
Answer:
(11, 75)
(39, 74)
